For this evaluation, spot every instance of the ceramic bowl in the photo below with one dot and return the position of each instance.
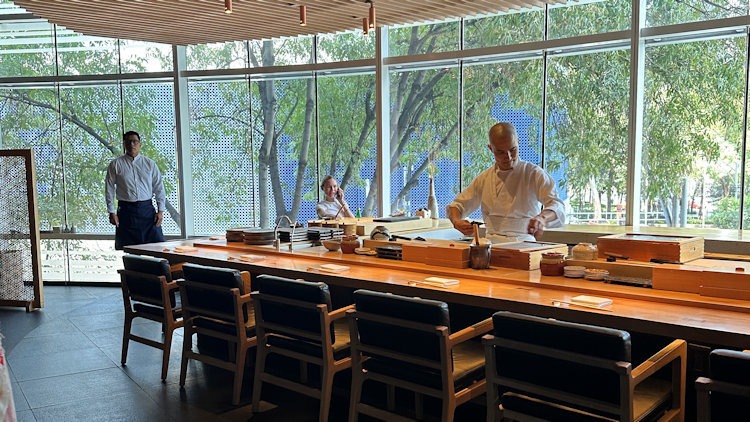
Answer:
(332, 244)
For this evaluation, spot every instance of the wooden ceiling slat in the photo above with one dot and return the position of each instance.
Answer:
(202, 21)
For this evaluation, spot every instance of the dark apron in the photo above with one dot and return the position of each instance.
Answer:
(136, 224)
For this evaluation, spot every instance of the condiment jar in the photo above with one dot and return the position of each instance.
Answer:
(552, 263)
(584, 251)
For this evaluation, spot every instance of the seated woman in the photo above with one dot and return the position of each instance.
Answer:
(334, 205)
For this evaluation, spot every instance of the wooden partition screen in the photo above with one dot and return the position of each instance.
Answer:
(20, 264)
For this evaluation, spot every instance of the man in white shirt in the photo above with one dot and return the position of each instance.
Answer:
(134, 180)
(510, 194)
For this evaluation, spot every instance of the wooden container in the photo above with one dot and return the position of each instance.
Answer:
(438, 252)
(349, 228)
(523, 255)
(645, 247)
(708, 279)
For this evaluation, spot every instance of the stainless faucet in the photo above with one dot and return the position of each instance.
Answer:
(276, 240)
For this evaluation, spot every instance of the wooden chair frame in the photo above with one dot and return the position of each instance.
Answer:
(242, 342)
(328, 365)
(450, 397)
(675, 353)
(167, 319)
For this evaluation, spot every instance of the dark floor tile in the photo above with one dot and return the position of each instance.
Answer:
(211, 392)
(66, 388)
(52, 327)
(108, 320)
(50, 344)
(54, 307)
(113, 335)
(19, 400)
(16, 323)
(102, 291)
(180, 405)
(69, 362)
(25, 416)
(133, 406)
(96, 306)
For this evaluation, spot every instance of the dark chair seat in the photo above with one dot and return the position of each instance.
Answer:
(340, 347)
(295, 319)
(158, 312)
(216, 304)
(468, 367)
(406, 342)
(149, 292)
(555, 370)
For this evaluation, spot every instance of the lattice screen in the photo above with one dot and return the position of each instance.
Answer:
(17, 272)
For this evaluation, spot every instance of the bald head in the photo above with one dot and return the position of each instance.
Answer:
(504, 145)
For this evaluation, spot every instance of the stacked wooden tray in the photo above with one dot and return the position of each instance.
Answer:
(258, 236)
(236, 234)
(324, 233)
(285, 234)
(389, 252)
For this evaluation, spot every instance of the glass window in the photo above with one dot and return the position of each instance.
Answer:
(527, 25)
(222, 156)
(500, 92)
(230, 55)
(281, 52)
(424, 137)
(148, 108)
(692, 133)
(93, 261)
(29, 119)
(421, 39)
(585, 18)
(140, 56)
(26, 48)
(670, 12)
(283, 113)
(342, 47)
(586, 149)
(92, 138)
(80, 54)
(347, 139)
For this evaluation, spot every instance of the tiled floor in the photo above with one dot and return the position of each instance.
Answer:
(64, 365)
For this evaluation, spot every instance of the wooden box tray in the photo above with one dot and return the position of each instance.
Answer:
(523, 255)
(438, 252)
(645, 247)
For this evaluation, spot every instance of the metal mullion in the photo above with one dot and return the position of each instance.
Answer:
(743, 157)
(317, 118)
(462, 28)
(62, 157)
(545, 37)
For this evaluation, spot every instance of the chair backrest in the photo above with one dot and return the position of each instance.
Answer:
(298, 310)
(729, 366)
(578, 360)
(400, 338)
(207, 290)
(146, 289)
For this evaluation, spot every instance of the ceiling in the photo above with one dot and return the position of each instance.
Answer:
(184, 22)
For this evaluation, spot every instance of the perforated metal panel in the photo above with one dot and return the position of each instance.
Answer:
(16, 272)
(221, 156)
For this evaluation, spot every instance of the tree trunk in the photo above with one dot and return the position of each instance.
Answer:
(268, 109)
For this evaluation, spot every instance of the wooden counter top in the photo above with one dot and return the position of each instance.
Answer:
(716, 321)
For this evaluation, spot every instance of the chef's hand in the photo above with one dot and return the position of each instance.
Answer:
(114, 220)
(463, 226)
(158, 218)
(536, 226)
